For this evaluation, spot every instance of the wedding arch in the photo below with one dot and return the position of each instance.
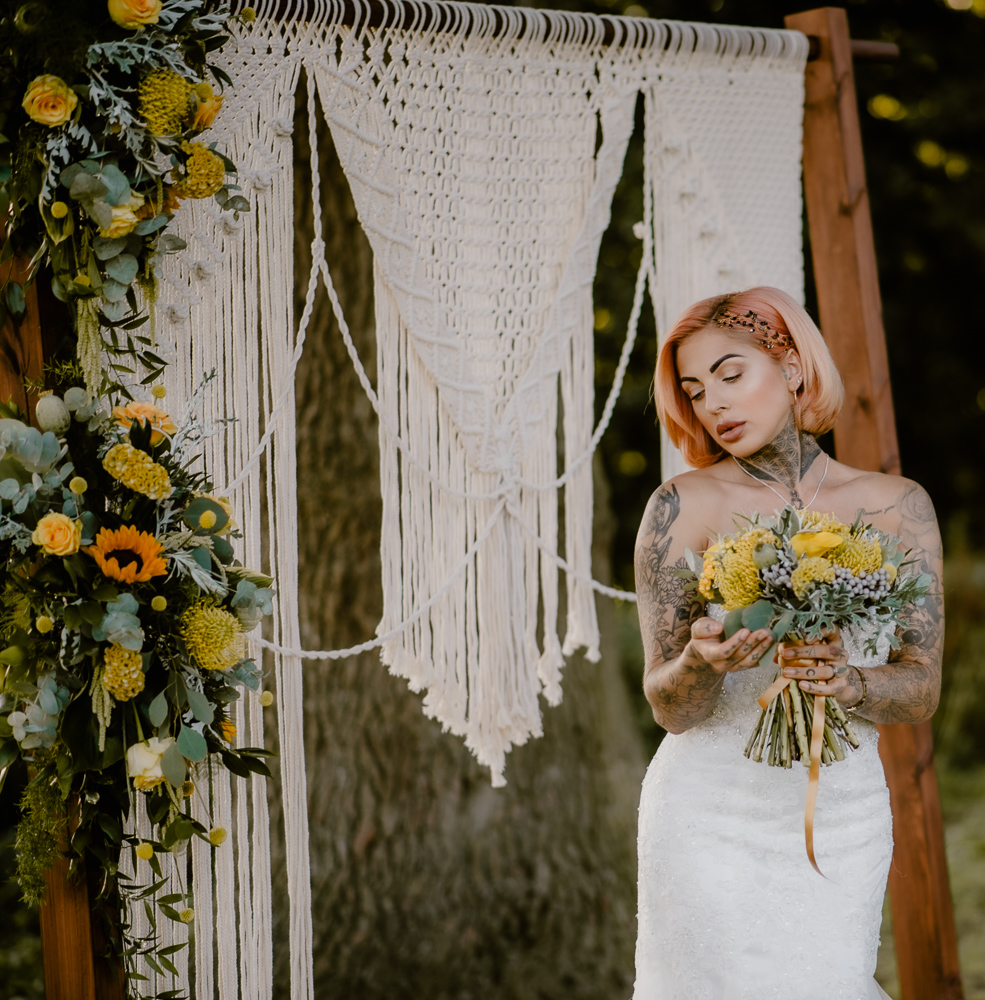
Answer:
(482, 146)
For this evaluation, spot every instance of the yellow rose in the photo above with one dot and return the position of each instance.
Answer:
(124, 221)
(144, 762)
(49, 100)
(133, 14)
(58, 534)
(205, 106)
(815, 543)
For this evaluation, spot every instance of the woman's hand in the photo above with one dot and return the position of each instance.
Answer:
(741, 652)
(823, 668)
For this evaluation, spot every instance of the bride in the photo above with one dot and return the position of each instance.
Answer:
(729, 906)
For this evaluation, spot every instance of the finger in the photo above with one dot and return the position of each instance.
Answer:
(814, 670)
(755, 652)
(706, 628)
(829, 688)
(816, 651)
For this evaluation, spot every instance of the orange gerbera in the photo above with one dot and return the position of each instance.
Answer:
(128, 555)
(145, 413)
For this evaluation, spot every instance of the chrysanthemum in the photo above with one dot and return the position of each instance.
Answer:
(123, 674)
(738, 580)
(128, 555)
(137, 470)
(811, 570)
(205, 172)
(213, 636)
(164, 99)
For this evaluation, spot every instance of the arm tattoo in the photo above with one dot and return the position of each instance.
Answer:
(681, 693)
(906, 690)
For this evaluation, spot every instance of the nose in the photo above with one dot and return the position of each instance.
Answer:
(714, 404)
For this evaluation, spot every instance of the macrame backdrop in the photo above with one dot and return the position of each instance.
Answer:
(482, 157)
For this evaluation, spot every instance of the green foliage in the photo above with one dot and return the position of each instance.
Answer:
(39, 831)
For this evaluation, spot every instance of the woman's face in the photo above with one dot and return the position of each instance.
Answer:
(741, 396)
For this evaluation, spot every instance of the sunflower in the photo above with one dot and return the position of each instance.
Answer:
(128, 555)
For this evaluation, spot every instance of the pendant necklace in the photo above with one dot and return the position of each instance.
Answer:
(800, 506)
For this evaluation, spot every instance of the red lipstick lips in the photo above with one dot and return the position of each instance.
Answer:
(730, 430)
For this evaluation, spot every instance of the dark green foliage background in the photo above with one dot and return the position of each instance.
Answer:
(928, 206)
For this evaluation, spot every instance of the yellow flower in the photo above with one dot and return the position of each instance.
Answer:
(164, 99)
(891, 570)
(815, 543)
(816, 521)
(205, 106)
(213, 636)
(811, 570)
(860, 555)
(128, 555)
(57, 534)
(49, 100)
(187, 787)
(187, 916)
(133, 14)
(144, 762)
(159, 392)
(59, 209)
(738, 577)
(78, 485)
(146, 413)
(144, 851)
(159, 603)
(207, 520)
(123, 674)
(123, 222)
(217, 835)
(138, 471)
(228, 730)
(44, 624)
(267, 699)
(205, 172)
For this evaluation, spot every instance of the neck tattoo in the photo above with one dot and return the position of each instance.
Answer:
(785, 461)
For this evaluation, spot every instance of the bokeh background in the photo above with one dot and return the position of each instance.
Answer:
(923, 125)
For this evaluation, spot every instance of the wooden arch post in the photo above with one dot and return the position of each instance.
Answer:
(850, 309)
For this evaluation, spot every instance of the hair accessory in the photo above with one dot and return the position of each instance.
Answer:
(768, 337)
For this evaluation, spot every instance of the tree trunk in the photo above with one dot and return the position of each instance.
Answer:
(427, 882)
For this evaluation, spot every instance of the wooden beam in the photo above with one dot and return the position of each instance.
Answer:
(21, 349)
(850, 309)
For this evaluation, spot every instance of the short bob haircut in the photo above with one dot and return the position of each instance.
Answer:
(818, 400)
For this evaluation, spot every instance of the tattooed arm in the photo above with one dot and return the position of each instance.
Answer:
(686, 661)
(908, 687)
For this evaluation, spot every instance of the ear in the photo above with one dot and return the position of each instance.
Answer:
(793, 371)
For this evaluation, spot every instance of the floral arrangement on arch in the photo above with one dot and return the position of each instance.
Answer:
(102, 108)
(124, 613)
(124, 629)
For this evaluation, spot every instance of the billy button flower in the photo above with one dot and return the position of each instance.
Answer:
(128, 555)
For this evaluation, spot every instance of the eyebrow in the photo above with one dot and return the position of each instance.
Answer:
(713, 369)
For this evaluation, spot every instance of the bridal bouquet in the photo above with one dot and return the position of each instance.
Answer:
(803, 574)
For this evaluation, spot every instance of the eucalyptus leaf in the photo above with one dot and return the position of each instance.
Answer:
(757, 616)
(151, 225)
(158, 710)
(114, 291)
(200, 706)
(733, 622)
(192, 744)
(122, 268)
(173, 765)
(117, 186)
(106, 247)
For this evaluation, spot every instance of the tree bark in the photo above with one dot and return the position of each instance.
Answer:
(427, 882)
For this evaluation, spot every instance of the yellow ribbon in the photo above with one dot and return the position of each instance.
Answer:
(817, 742)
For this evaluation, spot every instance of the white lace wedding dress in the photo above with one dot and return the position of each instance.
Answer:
(729, 906)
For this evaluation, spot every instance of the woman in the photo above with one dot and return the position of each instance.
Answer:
(729, 906)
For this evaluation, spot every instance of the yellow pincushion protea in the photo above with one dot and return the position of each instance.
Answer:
(814, 520)
(811, 570)
(128, 555)
(213, 636)
(205, 172)
(738, 579)
(137, 470)
(123, 674)
(860, 555)
(164, 100)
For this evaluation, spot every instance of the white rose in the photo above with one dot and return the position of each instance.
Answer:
(144, 762)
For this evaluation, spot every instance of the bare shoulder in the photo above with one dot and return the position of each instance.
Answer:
(892, 503)
(683, 503)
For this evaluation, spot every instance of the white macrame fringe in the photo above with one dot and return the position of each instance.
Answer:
(471, 156)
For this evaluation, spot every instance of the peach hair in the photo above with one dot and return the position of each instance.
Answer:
(817, 402)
